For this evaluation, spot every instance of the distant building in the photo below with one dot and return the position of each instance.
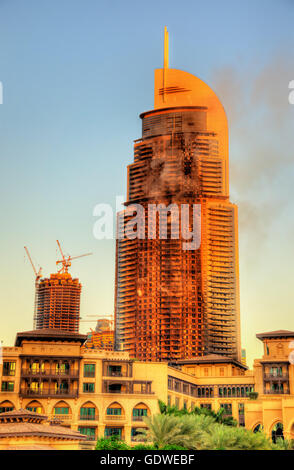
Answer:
(58, 302)
(102, 337)
(243, 356)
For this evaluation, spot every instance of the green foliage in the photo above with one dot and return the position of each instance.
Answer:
(144, 447)
(253, 395)
(199, 428)
(112, 443)
(217, 416)
(171, 430)
(283, 444)
(153, 447)
(202, 428)
(170, 447)
(223, 437)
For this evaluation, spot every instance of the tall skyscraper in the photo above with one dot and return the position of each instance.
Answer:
(173, 303)
(58, 302)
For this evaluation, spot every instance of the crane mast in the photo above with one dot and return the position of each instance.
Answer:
(66, 261)
(38, 275)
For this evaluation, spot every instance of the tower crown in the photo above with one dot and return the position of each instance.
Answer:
(175, 88)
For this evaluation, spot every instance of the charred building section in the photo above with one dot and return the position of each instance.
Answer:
(172, 302)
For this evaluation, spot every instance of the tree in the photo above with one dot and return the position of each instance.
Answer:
(283, 444)
(223, 437)
(217, 416)
(165, 430)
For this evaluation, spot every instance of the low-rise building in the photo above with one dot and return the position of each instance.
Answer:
(103, 393)
(27, 430)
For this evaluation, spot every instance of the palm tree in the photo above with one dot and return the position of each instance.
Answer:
(223, 437)
(166, 430)
(283, 444)
(218, 416)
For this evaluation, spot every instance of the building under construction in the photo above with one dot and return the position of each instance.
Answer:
(173, 303)
(102, 337)
(58, 302)
(57, 298)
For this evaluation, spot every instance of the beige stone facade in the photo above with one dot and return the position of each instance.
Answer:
(101, 393)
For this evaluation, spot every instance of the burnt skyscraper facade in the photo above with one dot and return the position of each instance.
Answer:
(173, 302)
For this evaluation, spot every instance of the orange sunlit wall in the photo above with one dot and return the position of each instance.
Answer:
(171, 303)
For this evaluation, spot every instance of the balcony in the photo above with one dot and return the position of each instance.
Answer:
(274, 377)
(115, 374)
(89, 418)
(61, 417)
(276, 392)
(50, 373)
(28, 393)
(127, 387)
(115, 418)
(138, 418)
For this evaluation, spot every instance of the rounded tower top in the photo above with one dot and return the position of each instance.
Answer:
(177, 89)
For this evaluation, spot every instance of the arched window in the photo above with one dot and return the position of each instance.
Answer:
(114, 410)
(62, 408)
(139, 411)
(6, 406)
(35, 406)
(277, 432)
(88, 412)
(257, 428)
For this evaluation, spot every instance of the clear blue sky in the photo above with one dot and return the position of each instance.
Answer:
(76, 74)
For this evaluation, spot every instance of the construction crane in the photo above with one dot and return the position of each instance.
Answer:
(38, 275)
(66, 261)
(109, 318)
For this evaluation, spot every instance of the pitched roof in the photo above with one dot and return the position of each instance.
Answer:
(276, 334)
(21, 414)
(211, 358)
(28, 423)
(34, 429)
(46, 334)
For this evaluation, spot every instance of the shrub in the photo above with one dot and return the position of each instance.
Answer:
(112, 443)
(144, 447)
(253, 395)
